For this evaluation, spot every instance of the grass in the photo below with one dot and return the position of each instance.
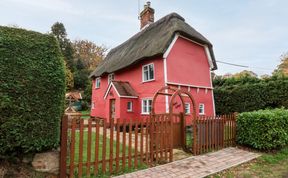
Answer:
(100, 155)
(268, 165)
(87, 112)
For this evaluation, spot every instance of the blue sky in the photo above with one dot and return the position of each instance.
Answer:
(247, 32)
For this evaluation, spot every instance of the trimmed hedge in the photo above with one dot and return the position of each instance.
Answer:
(263, 129)
(251, 96)
(32, 89)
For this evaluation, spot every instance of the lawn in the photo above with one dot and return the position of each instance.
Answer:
(87, 112)
(268, 165)
(100, 155)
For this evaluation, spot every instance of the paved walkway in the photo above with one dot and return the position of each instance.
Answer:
(197, 166)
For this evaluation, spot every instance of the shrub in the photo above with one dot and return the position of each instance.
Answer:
(270, 93)
(32, 88)
(263, 129)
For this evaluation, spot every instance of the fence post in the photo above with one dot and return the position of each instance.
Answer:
(63, 147)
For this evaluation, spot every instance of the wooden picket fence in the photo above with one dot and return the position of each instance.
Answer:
(214, 133)
(92, 146)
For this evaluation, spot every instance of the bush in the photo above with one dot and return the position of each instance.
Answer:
(263, 129)
(32, 89)
(251, 96)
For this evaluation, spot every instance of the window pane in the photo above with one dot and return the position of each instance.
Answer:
(146, 76)
(144, 107)
(151, 72)
(150, 106)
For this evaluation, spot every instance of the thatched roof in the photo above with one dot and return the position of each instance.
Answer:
(150, 42)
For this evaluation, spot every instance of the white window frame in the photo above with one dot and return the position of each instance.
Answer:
(146, 107)
(97, 85)
(129, 109)
(110, 78)
(201, 109)
(93, 105)
(187, 108)
(143, 75)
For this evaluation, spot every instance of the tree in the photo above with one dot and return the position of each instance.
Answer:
(89, 53)
(86, 58)
(282, 69)
(59, 31)
(245, 73)
(69, 78)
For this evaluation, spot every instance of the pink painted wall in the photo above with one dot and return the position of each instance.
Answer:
(187, 63)
(144, 89)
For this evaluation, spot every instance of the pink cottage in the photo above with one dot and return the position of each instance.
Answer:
(168, 52)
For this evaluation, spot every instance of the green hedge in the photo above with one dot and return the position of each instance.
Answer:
(32, 88)
(251, 96)
(263, 129)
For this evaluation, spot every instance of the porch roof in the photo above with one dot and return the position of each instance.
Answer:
(123, 89)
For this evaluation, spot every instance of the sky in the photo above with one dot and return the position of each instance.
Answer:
(253, 33)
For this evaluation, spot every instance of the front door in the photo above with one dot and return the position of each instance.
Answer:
(112, 108)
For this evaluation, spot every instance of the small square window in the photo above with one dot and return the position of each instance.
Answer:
(129, 106)
(97, 82)
(146, 106)
(201, 109)
(187, 108)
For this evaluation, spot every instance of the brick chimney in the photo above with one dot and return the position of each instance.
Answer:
(147, 15)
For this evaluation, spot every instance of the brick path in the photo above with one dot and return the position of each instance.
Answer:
(197, 166)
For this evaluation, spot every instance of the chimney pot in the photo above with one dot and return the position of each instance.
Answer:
(148, 3)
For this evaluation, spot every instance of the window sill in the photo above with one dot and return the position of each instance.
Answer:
(148, 81)
(145, 114)
(201, 114)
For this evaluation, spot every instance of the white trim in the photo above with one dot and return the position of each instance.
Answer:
(209, 57)
(165, 55)
(148, 72)
(198, 89)
(188, 85)
(107, 91)
(213, 99)
(179, 87)
(120, 96)
(128, 96)
(191, 40)
(189, 89)
(165, 83)
(206, 90)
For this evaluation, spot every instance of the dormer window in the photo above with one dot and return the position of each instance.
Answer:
(110, 78)
(148, 72)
